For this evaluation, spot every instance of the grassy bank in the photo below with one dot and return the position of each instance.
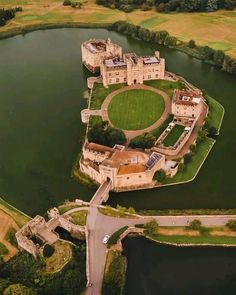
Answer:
(79, 217)
(216, 113)
(174, 212)
(19, 217)
(114, 274)
(192, 168)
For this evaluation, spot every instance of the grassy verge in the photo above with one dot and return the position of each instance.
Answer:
(174, 212)
(173, 135)
(100, 93)
(114, 274)
(94, 120)
(216, 113)
(109, 211)
(79, 217)
(19, 217)
(202, 239)
(61, 256)
(192, 168)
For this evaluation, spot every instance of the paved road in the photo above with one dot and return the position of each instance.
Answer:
(98, 226)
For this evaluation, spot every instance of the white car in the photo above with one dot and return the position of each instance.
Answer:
(105, 239)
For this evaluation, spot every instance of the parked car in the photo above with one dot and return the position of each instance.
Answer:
(105, 239)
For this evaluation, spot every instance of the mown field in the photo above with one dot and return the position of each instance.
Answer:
(217, 29)
(126, 109)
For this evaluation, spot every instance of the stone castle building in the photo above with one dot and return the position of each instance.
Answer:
(187, 104)
(117, 68)
(125, 168)
(95, 50)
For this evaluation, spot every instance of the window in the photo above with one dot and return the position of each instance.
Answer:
(117, 73)
(109, 74)
(124, 79)
(149, 76)
(110, 80)
(156, 75)
(140, 176)
(117, 80)
(127, 177)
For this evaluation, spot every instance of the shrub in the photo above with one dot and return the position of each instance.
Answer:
(193, 148)
(160, 175)
(195, 225)
(48, 250)
(126, 8)
(151, 227)
(144, 141)
(212, 131)
(67, 3)
(116, 235)
(188, 158)
(231, 224)
(191, 44)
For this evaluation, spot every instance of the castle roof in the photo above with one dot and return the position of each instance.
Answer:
(186, 97)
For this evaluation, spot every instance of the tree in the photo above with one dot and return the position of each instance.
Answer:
(195, 225)
(104, 134)
(151, 227)
(160, 175)
(193, 148)
(211, 5)
(18, 289)
(48, 250)
(144, 141)
(191, 44)
(188, 158)
(160, 7)
(231, 224)
(212, 131)
(67, 3)
(131, 210)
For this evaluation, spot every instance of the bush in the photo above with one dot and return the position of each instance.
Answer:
(126, 8)
(191, 44)
(151, 227)
(193, 148)
(48, 250)
(160, 175)
(231, 224)
(144, 141)
(212, 131)
(188, 158)
(67, 3)
(195, 225)
(116, 235)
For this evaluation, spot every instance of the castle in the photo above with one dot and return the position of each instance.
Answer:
(116, 68)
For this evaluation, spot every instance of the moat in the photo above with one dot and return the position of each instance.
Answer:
(41, 130)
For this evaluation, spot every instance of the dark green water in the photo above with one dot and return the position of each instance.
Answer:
(42, 84)
(167, 270)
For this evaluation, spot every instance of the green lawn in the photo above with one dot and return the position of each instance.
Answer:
(166, 86)
(216, 113)
(79, 217)
(100, 93)
(192, 168)
(202, 239)
(173, 135)
(135, 109)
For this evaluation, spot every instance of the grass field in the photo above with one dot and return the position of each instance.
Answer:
(61, 256)
(79, 217)
(182, 235)
(217, 29)
(126, 109)
(173, 135)
(192, 168)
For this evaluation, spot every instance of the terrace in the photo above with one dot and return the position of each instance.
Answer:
(114, 62)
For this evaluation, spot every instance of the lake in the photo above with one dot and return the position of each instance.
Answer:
(42, 84)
